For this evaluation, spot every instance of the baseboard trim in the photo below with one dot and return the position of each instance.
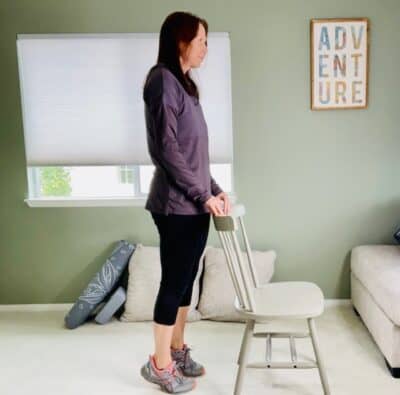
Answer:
(337, 302)
(36, 307)
(66, 306)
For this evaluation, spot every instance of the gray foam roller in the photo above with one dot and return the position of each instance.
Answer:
(114, 303)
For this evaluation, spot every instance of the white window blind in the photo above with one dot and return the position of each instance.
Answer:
(81, 97)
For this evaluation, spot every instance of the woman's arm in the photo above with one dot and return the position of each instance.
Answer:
(163, 104)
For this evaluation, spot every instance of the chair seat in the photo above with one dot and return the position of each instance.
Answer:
(285, 300)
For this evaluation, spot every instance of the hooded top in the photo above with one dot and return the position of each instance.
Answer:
(177, 139)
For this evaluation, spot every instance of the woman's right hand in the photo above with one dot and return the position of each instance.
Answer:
(214, 205)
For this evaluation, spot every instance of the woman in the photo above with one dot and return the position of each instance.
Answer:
(182, 193)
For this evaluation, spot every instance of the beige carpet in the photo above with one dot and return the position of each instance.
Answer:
(39, 356)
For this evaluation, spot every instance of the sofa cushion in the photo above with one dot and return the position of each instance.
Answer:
(218, 293)
(144, 282)
(377, 267)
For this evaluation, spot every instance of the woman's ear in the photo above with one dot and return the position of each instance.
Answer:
(182, 49)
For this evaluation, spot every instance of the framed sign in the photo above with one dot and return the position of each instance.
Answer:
(339, 63)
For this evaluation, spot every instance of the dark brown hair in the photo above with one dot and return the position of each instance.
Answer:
(178, 27)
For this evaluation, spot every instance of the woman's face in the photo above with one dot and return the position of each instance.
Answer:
(195, 51)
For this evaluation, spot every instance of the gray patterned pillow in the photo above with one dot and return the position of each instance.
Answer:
(397, 235)
(101, 285)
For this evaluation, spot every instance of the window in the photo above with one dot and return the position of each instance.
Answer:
(69, 183)
(80, 136)
(125, 174)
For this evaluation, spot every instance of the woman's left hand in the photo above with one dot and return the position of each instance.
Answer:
(223, 196)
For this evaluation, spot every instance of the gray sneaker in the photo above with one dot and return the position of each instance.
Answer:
(170, 380)
(185, 363)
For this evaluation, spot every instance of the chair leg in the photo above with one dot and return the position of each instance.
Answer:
(321, 367)
(244, 353)
(239, 360)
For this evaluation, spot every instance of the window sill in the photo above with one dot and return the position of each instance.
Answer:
(85, 202)
(94, 202)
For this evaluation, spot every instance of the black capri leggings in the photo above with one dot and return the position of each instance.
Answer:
(182, 242)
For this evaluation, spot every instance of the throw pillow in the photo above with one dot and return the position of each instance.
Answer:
(219, 306)
(102, 284)
(144, 282)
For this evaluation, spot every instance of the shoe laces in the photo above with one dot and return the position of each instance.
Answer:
(167, 374)
(185, 354)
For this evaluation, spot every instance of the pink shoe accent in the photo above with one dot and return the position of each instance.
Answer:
(170, 367)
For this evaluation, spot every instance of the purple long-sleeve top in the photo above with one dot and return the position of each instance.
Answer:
(177, 139)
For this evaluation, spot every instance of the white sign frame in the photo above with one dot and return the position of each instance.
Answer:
(339, 49)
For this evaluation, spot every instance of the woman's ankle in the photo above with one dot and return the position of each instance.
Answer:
(161, 363)
(177, 346)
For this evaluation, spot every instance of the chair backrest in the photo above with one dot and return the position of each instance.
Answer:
(242, 271)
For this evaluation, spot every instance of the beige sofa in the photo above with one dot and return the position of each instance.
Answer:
(375, 294)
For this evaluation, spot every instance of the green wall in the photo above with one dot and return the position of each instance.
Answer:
(315, 184)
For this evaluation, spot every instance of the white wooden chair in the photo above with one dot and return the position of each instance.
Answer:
(291, 300)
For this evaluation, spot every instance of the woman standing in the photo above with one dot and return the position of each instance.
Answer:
(182, 193)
